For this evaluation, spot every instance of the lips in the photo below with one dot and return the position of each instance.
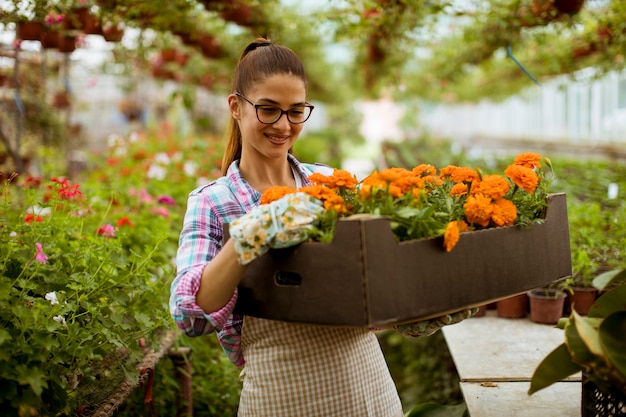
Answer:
(278, 140)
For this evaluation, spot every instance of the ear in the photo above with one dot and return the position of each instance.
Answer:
(233, 105)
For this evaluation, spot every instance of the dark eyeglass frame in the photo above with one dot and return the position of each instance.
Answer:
(257, 106)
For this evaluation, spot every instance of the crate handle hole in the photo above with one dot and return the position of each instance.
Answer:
(287, 279)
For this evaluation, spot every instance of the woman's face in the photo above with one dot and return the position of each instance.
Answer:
(269, 140)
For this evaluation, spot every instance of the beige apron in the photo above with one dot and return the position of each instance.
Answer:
(298, 370)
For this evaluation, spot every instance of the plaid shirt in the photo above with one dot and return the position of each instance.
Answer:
(208, 208)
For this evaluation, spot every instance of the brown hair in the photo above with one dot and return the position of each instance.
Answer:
(259, 60)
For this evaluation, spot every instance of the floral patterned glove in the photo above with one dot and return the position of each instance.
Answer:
(280, 224)
(431, 326)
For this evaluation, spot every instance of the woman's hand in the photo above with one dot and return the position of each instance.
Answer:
(428, 327)
(280, 224)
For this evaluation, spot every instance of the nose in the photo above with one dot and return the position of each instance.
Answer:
(282, 122)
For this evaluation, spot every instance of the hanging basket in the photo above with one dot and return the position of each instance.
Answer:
(61, 100)
(28, 30)
(49, 39)
(113, 32)
(67, 43)
(210, 46)
(237, 12)
(570, 7)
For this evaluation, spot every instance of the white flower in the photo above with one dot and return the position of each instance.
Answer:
(114, 140)
(162, 158)
(52, 297)
(13, 234)
(190, 168)
(157, 172)
(59, 319)
(41, 211)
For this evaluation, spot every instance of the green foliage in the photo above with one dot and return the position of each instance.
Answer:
(594, 344)
(87, 268)
(215, 388)
(79, 296)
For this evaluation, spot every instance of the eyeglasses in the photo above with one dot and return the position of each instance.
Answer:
(268, 114)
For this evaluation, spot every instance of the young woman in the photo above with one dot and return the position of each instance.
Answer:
(288, 369)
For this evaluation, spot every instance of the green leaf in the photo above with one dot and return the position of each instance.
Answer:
(588, 334)
(553, 368)
(431, 409)
(33, 377)
(578, 349)
(613, 340)
(609, 303)
(609, 278)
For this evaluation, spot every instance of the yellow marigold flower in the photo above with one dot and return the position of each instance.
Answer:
(276, 193)
(504, 212)
(464, 174)
(528, 160)
(523, 177)
(458, 189)
(494, 186)
(478, 209)
(424, 169)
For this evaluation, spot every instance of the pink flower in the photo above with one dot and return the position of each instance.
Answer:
(106, 230)
(143, 194)
(160, 211)
(41, 257)
(164, 199)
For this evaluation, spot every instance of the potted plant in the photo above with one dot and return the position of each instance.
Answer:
(594, 345)
(546, 304)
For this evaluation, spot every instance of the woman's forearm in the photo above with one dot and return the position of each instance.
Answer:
(219, 279)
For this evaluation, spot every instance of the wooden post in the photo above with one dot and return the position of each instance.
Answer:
(182, 370)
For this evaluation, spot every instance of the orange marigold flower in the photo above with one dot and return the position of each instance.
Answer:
(431, 181)
(390, 175)
(447, 171)
(504, 212)
(478, 209)
(275, 193)
(340, 179)
(452, 233)
(528, 160)
(458, 189)
(464, 174)
(523, 177)
(331, 200)
(494, 186)
(425, 169)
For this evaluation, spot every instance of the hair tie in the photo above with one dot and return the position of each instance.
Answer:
(256, 44)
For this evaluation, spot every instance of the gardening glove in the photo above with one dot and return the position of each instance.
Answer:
(428, 327)
(280, 224)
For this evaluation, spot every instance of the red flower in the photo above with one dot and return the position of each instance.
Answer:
(125, 221)
(30, 218)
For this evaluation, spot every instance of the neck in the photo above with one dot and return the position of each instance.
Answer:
(268, 174)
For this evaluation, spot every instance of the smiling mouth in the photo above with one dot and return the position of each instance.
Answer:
(278, 140)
